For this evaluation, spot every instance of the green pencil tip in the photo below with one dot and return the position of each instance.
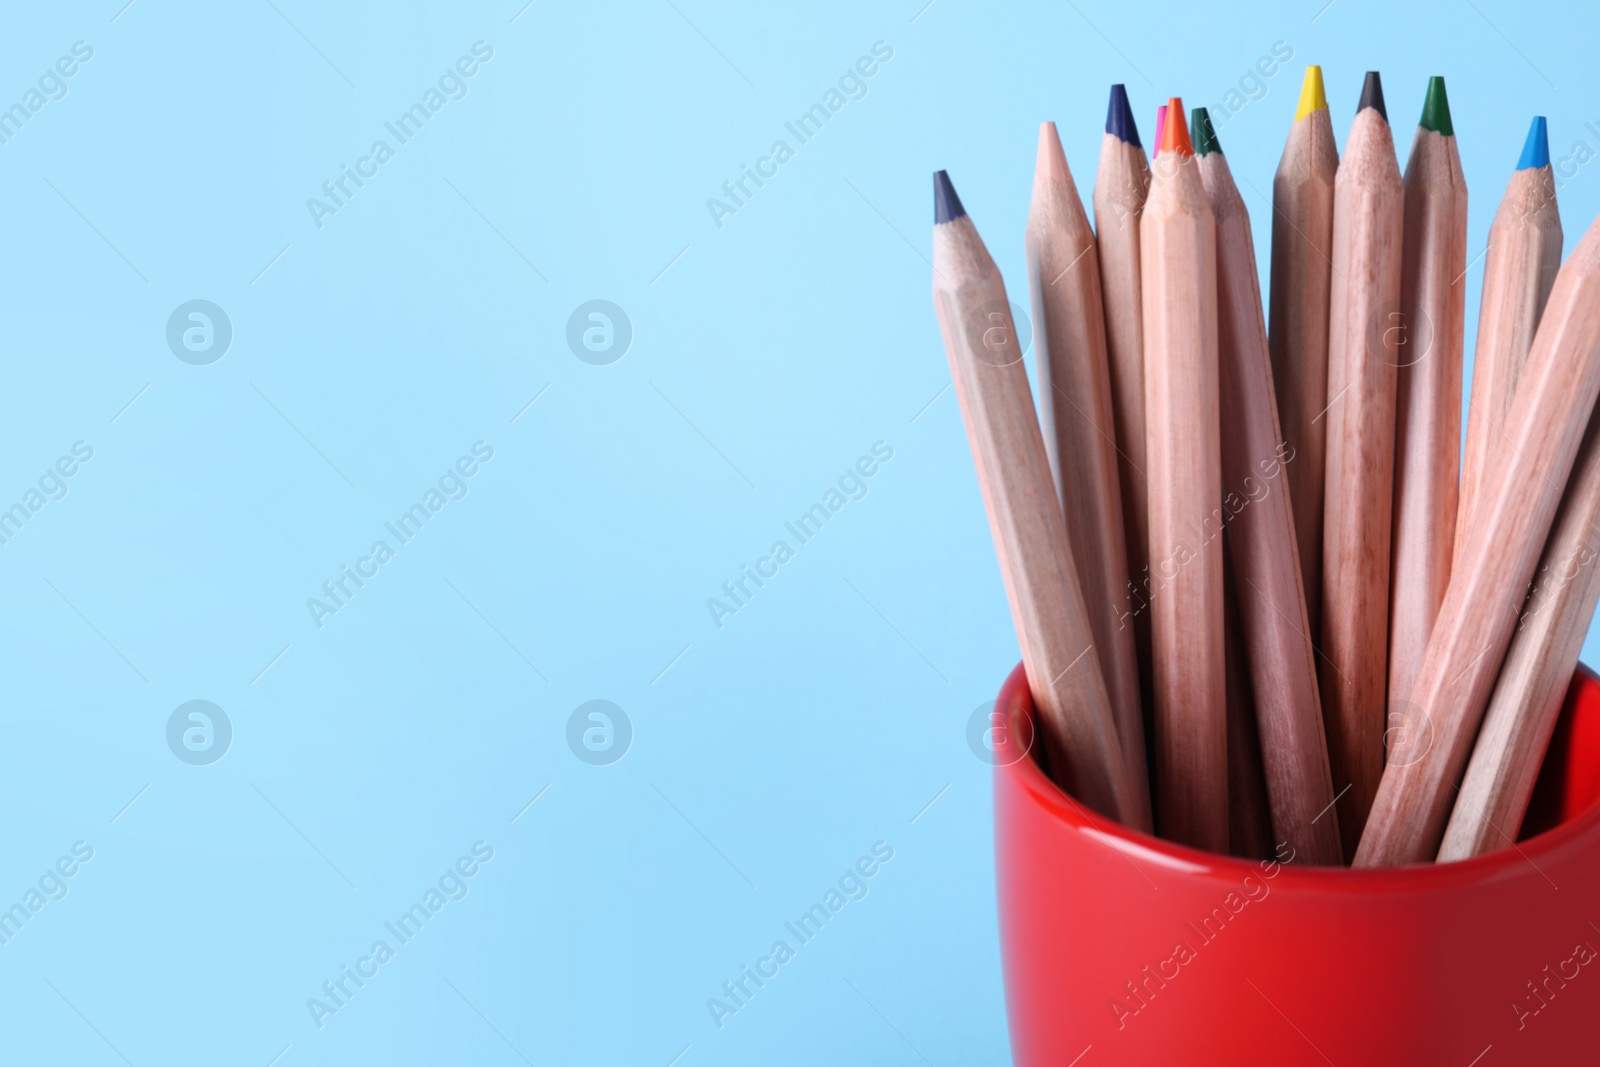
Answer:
(1203, 134)
(1436, 110)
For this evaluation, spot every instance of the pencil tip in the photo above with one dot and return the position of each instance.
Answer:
(1203, 134)
(1536, 150)
(1161, 128)
(1175, 136)
(1313, 95)
(946, 204)
(1372, 95)
(1052, 163)
(1119, 117)
(1436, 109)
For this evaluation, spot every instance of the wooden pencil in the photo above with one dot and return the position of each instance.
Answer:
(1259, 520)
(1161, 131)
(1025, 518)
(1120, 186)
(1069, 345)
(1522, 487)
(1427, 444)
(1297, 322)
(1368, 202)
(1523, 257)
(1249, 821)
(1177, 238)
(1533, 682)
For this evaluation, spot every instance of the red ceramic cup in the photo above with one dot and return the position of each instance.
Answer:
(1120, 948)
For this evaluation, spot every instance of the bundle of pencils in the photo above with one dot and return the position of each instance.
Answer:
(1261, 601)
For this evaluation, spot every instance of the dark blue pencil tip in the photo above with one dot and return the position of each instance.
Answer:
(1372, 95)
(1536, 151)
(946, 204)
(1119, 117)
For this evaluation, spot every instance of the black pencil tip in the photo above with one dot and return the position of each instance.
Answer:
(946, 204)
(1119, 117)
(1372, 95)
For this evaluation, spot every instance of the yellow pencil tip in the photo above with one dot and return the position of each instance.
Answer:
(1312, 95)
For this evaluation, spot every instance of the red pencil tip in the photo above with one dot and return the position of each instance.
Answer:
(1175, 134)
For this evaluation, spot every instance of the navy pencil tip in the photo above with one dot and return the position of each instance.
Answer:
(946, 204)
(1372, 95)
(1119, 117)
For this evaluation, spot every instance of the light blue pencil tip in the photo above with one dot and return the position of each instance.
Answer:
(1536, 151)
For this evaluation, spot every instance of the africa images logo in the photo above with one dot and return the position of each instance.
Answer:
(199, 732)
(199, 332)
(599, 732)
(599, 332)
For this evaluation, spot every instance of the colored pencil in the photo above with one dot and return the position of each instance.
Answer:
(1297, 322)
(1368, 205)
(1266, 604)
(1025, 518)
(1260, 533)
(1249, 821)
(1518, 271)
(1427, 444)
(1069, 344)
(1177, 239)
(1533, 682)
(1120, 187)
(1522, 487)
(1524, 254)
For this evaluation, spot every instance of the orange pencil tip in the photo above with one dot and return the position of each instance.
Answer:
(1175, 134)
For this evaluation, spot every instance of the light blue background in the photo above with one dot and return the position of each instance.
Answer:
(768, 355)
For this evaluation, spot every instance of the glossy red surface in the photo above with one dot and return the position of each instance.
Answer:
(1125, 949)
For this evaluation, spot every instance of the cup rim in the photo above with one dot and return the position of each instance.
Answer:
(1017, 700)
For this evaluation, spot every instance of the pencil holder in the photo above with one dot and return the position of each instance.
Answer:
(1120, 948)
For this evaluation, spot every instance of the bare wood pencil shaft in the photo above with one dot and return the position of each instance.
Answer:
(1120, 188)
(1364, 305)
(1249, 821)
(1538, 669)
(1428, 409)
(1521, 490)
(1520, 267)
(1030, 533)
(1302, 277)
(1261, 543)
(1178, 281)
(1075, 408)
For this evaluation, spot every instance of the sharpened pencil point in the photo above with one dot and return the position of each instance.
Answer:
(1175, 135)
(1313, 95)
(946, 204)
(1119, 117)
(1536, 150)
(1203, 134)
(1052, 163)
(1372, 95)
(1161, 126)
(1436, 109)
